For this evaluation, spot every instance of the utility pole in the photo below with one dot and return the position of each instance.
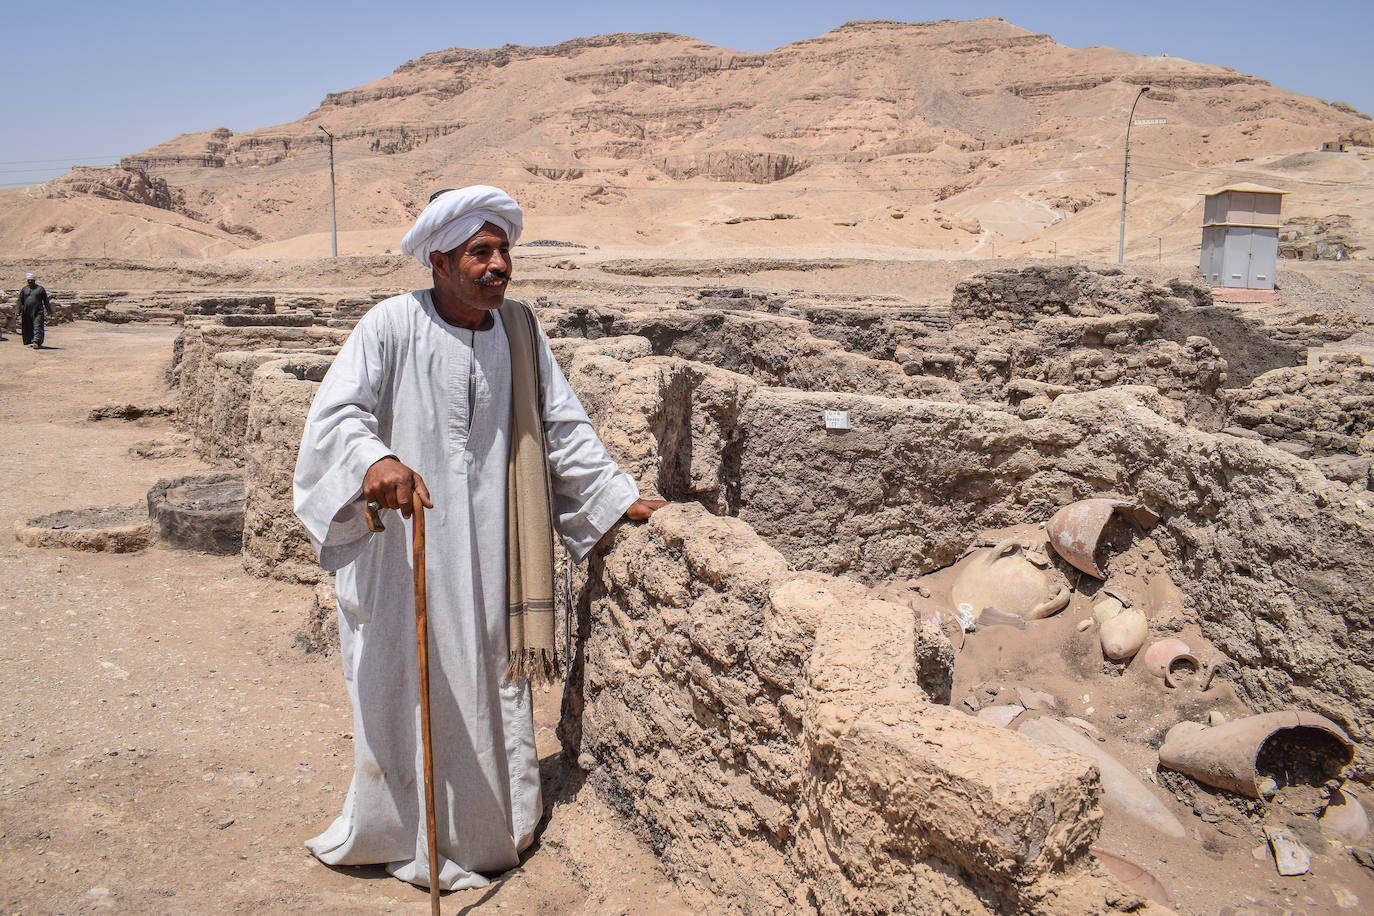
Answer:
(1125, 171)
(333, 217)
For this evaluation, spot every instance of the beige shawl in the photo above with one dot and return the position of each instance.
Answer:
(529, 516)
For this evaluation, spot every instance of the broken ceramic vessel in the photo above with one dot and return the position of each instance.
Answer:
(1002, 577)
(1120, 788)
(1227, 756)
(1136, 877)
(1076, 530)
(1168, 659)
(1123, 634)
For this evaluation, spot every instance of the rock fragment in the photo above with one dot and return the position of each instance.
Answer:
(1291, 858)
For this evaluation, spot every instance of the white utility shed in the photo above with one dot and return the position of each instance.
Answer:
(1240, 236)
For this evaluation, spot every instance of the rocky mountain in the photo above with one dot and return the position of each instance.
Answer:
(944, 137)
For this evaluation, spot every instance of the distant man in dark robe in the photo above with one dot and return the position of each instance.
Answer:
(34, 310)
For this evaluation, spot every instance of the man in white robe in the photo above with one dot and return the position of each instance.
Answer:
(419, 401)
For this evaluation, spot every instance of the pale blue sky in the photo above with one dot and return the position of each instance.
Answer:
(89, 82)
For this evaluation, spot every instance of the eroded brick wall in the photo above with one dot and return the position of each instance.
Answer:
(780, 738)
(1272, 556)
(275, 542)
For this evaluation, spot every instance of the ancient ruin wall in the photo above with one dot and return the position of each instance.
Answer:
(769, 349)
(1016, 338)
(779, 734)
(1021, 298)
(231, 387)
(195, 371)
(1272, 556)
(1323, 412)
(274, 541)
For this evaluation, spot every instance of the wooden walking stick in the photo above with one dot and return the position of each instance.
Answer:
(422, 666)
(373, 511)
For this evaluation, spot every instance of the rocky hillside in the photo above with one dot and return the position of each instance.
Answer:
(951, 137)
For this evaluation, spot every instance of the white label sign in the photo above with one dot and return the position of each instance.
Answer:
(837, 419)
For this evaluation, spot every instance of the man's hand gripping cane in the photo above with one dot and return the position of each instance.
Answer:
(389, 484)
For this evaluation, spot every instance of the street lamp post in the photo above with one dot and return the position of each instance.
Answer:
(1125, 171)
(333, 218)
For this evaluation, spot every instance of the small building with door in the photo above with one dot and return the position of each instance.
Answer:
(1240, 236)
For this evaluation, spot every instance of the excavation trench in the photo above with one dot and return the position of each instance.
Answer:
(750, 673)
(756, 680)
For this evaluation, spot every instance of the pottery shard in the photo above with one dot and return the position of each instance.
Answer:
(1002, 715)
(1290, 856)
(1120, 789)
(1034, 699)
(1139, 879)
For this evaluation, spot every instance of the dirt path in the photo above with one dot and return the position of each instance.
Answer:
(164, 745)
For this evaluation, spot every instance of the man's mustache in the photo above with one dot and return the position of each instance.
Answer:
(492, 276)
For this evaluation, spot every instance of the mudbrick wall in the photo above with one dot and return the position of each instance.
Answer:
(774, 350)
(782, 737)
(212, 393)
(221, 432)
(1019, 299)
(274, 541)
(1323, 412)
(1016, 338)
(1271, 555)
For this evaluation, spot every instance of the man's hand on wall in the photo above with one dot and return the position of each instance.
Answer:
(641, 509)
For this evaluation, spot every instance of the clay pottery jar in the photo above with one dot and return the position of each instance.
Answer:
(1164, 654)
(1002, 577)
(1123, 635)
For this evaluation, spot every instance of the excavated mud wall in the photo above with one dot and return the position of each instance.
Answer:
(1020, 298)
(770, 349)
(1323, 412)
(1271, 555)
(200, 378)
(1011, 338)
(231, 387)
(274, 541)
(781, 737)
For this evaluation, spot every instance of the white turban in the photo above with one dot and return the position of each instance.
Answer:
(455, 216)
(29, 277)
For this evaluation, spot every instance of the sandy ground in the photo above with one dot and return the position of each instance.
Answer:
(164, 745)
